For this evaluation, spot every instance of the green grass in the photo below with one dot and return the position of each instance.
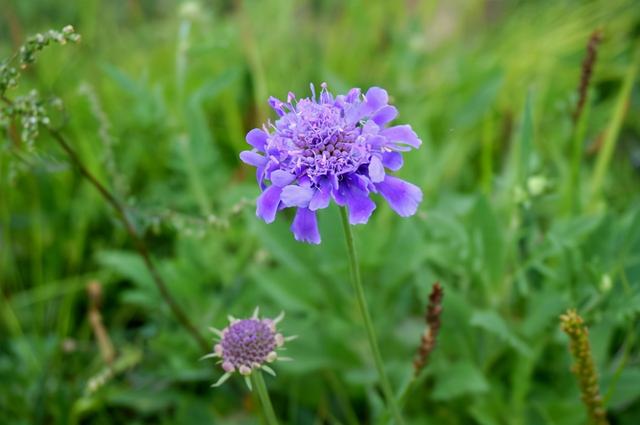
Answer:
(158, 99)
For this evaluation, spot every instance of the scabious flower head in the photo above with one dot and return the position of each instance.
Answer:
(327, 148)
(247, 345)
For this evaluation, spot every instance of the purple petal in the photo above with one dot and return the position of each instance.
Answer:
(402, 134)
(402, 196)
(305, 226)
(257, 138)
(360, 207)
(385, 114)
(297, 196)
(281, 178)
(353, 95)
(267, 203)
(377, 142)
(370, 128)
(376, 170)
(260, 177)
(277, 105)
(357, 201)
(376, 98)
(321, 198)
(392, 160)
(253, 158)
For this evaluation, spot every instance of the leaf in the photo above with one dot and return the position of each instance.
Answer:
(457, 380)
(485, 227)
(627, 389)
(524, 145)
(127, 264)
(493, 323)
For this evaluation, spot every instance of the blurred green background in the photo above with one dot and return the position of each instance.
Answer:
(515, 224)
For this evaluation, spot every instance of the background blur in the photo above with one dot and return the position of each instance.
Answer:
(159, 96)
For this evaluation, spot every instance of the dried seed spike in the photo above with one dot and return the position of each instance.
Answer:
(432, 318)
(587, 70)
(584, 368)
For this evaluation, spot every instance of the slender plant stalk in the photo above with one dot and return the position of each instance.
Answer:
(138, 243)
(615, 124)
(263, 395)
(366, 316)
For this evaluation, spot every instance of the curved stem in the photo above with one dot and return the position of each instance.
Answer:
(263, 394)
(366, 316)
(138, 243)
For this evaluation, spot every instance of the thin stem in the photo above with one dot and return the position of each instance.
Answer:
(612, 132)
(366, 316)
(131, 231)
(138, 243)
(263, 394)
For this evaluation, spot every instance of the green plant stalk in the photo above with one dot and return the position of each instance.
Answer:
(577, 151)
(138, 243)
(366, 316)
(263, 395)
(606, 152)
(487, 154)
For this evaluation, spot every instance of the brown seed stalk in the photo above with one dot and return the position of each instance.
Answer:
(94, 291)
(587, 70)
(430, 335)
(584, 368)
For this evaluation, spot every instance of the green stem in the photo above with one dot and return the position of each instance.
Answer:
(366, 316)
(611, 135)
(263, 395)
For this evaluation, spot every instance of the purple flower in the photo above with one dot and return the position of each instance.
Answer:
(336, 148)
(248, 344)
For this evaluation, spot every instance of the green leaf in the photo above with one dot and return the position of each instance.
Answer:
(627, 390)
(491, 322)
(458, 380)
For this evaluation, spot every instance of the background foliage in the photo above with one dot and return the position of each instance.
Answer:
(159, 96)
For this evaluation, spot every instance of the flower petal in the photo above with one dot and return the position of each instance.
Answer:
(257, 138)
(402, 134)
(357, 201)
(392, 160)
(277, 105)
(376, 98)
(281, 178)
(297, 196)
(321, 198)
(253, 158)
(267, 203)
(305, 226)
(402, 196)
(360, 206)
(376, 169)
(385, 114)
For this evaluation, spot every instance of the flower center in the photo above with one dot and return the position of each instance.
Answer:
(247, 342)
(321, 141)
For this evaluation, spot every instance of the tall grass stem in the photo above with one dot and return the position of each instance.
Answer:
(356, 280)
